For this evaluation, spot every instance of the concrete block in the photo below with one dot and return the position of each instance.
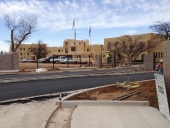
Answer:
(166, 59)
(15, 59)
(167, 44)
(168, 52)
(166, 74)
(148, 62)
(99, 61)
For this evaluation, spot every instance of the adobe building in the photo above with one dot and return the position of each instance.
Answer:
(82, 49)
(76, 49)
(71, 48)
(148, 38)
(23, 50)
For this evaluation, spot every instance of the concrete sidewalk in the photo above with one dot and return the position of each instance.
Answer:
(33, 114)
(118, 117)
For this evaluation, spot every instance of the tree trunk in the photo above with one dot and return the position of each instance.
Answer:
(12, 40)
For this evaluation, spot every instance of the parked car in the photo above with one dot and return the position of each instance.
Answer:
(68, 60)
(27, 60)
(49, 59)
(42, 60)
(58, 59)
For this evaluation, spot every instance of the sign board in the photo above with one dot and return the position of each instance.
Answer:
(162, 96)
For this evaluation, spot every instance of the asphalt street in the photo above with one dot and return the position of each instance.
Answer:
(69, 72)
(40, 87)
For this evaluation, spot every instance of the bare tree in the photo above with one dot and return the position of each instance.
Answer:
(20, 29)
(39, 49)
(162, 29)
(131, 48)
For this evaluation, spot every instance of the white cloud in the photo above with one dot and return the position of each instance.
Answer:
(4, 47)
(131, 32)
(105, 14)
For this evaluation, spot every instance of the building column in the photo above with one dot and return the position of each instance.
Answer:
(15, 61)
(98, 61)
(166, 70)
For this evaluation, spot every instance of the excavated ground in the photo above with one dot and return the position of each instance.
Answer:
(147, 92)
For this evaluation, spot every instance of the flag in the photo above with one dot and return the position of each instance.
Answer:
(73, 24)
(90, 31)
(75, 34)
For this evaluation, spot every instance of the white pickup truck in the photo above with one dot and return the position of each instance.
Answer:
(68, 60)
(58, 59)
(63, 59)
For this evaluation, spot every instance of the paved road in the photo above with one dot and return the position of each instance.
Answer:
(40, 87)
(69, 72)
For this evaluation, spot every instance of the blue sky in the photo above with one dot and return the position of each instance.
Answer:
(107, 18)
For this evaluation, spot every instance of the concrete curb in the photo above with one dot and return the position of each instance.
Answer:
(39, 97)
(70, 104)
(10, 80)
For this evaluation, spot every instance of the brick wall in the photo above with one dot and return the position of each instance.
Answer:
(9, 62)
(148, 62)
(166, 71)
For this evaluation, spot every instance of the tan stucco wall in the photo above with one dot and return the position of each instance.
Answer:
(143, 37)
(83, 48)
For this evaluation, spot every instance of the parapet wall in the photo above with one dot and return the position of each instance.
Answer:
(9, 61)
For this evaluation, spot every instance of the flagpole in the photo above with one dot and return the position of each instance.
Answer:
(90, 56)
(75, 40)
(90, 42)
(74, 36)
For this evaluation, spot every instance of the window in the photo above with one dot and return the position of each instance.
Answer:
(161, 54)
(27, 53)
(73, 49)
(62, 50)
(49, 51)
(74, 43)
(21, 53)
(58, 50)
(20, 48)
(79, 43)
(23, 48)
(66, 43)
(156, 55)
(28, 48)
(87, 50)
(103, 55)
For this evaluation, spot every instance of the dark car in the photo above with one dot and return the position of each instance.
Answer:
(47, 59)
